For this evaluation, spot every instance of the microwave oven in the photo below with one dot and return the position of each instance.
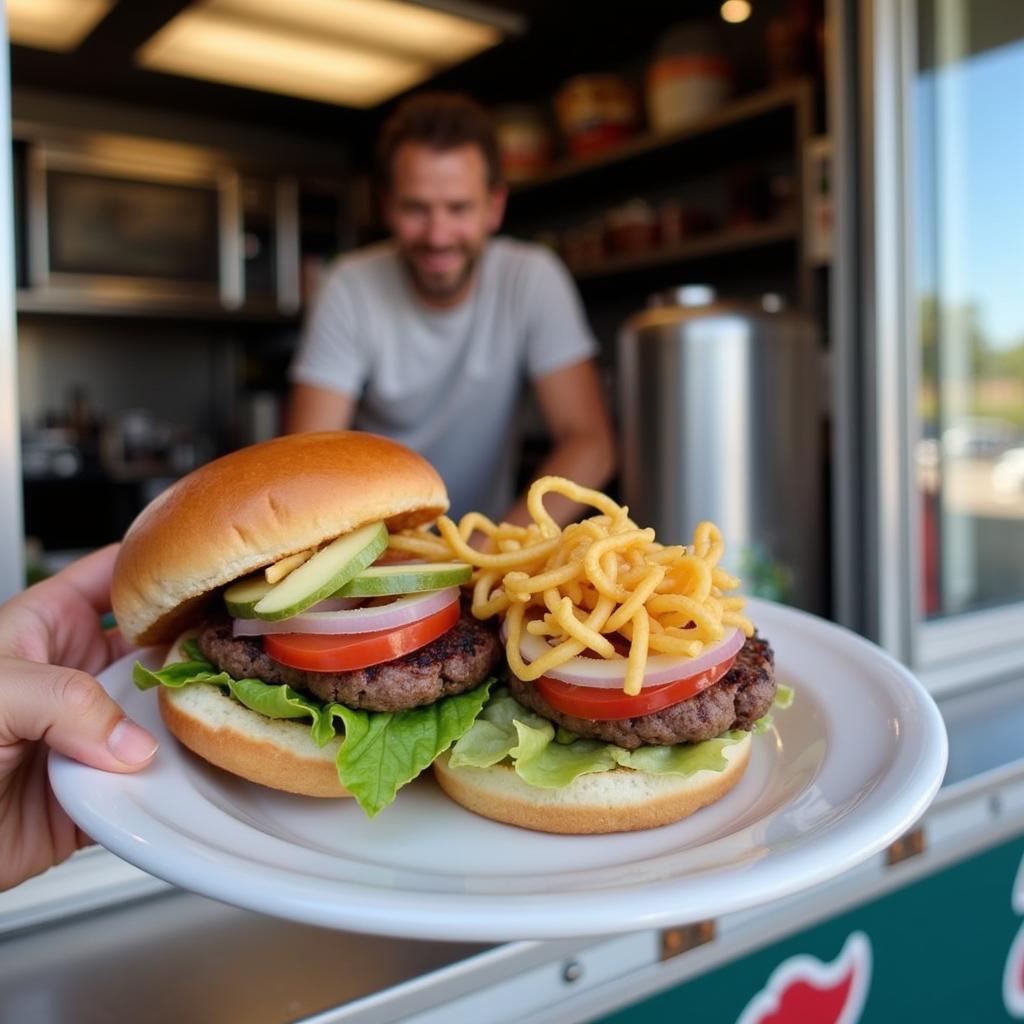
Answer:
(113, 221)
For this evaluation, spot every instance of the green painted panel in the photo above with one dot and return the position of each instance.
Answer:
(933, 951)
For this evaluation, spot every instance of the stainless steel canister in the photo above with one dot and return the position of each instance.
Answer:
(721, 418)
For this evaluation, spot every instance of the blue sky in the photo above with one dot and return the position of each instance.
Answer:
(992, 151)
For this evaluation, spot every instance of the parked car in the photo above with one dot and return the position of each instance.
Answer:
(1008, 472)
(979, 437)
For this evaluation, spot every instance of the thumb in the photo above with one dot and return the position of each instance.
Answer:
(72, 713)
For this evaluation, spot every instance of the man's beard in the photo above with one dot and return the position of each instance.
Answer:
(430, 286)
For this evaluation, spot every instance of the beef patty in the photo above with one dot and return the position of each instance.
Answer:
(453, 663)
(739, 699)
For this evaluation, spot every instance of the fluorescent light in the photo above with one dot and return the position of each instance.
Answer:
(53, 24)
(352, 52)
(391, 26)
(207, 46)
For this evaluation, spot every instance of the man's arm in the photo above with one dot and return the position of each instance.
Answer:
(574, 409)
(312, 408)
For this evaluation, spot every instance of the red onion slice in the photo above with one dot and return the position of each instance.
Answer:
(356, 620)
(609, 674)
(336, 604)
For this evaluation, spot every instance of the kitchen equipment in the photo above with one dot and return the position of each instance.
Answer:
(688, 78)
(119, 220)
(50, 453)
(596, 112)
(721, 420)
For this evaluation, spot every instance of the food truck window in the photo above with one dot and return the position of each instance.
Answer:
(970, 209)
(946, 362)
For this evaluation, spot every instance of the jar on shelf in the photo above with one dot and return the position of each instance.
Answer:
(790, 42)
(697, 220)
(670, 221)
(596, 112)
(525, 143)
(689, 77)
(632, 228)
(748, 199)
(585, 245)
(782, 193)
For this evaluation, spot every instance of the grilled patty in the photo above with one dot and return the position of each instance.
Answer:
(738, 700)
(453, 663)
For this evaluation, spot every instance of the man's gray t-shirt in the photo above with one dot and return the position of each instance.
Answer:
(447, 383)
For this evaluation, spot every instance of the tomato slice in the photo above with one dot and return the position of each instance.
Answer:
(337, 653)
(602, 705)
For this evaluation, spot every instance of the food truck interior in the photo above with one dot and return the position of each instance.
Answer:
(638, 190)
(816, 196)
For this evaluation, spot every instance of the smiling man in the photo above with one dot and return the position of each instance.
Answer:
(430, 337)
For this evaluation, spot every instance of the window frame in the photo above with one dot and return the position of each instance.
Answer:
(967, 649)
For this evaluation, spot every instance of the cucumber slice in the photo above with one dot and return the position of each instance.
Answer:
(324, 574)
(381, 580)
(242, 596)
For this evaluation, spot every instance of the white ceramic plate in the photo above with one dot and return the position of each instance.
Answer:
(847, 769)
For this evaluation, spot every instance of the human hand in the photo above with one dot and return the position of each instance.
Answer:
(52, 643)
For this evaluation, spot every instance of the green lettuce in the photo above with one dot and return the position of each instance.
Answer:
(784, 696)
(380, 751)
(550, 759)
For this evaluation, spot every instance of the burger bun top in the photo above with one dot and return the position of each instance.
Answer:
(254, 506)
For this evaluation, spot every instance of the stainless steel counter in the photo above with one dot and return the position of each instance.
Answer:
(176, 957)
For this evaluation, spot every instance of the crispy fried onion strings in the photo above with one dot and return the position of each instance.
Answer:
(578, 586)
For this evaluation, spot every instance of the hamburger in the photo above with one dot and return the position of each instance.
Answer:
(586, 746)
(634, 770)
(303, 656)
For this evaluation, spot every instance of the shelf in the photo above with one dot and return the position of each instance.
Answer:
(718, 243)
(797, 94)
(186, 310)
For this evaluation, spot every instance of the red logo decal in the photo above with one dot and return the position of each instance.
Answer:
(1013, 972)
(803, 990)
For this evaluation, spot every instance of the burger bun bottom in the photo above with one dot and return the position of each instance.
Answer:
(278, 753)
(620, 800)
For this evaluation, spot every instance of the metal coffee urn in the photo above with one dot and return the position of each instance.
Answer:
(720, 418)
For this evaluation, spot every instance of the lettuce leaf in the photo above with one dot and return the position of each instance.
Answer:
(548, 759)
(682, 758)
(380, 751)
(548, 765)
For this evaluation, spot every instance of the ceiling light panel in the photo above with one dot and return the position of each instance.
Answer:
(351, 52)
(53, 24)
(390, 26)
(207, 46)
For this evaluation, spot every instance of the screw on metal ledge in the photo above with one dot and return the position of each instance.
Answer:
(572, 971)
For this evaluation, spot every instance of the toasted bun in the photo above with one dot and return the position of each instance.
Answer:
(251, 508)
(274, 752)
(621, 800)
(278, 753)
